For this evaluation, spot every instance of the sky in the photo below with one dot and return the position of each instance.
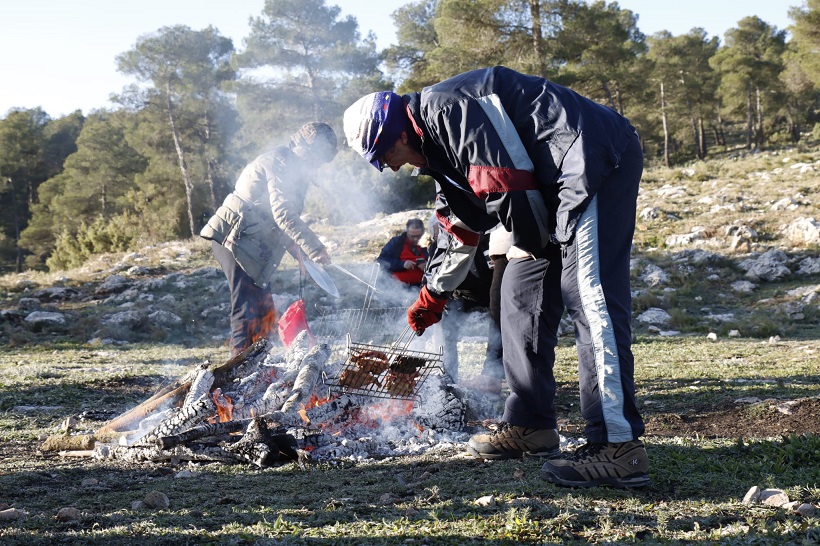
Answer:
(60, 55)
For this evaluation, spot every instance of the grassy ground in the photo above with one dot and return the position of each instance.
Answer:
(698, 480)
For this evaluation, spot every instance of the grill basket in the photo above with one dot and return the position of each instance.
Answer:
(383, 371)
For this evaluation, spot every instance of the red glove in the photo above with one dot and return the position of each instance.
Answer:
(425, 312)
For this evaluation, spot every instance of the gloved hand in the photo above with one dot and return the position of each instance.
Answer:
(425, 312)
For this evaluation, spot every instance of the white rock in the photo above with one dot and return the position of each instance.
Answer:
(487, 500)
(774, 497)
(734, 333)
(752, 495)
(743, 286)
(803, 231)
(748, 400)
(712, 336)
(156, 499)
(45, 317)
(654, 315)
(67, 513)
(806, 509)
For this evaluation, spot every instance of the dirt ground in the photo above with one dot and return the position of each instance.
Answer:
(761, 420)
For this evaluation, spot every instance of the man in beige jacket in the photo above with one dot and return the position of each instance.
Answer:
(260, 221)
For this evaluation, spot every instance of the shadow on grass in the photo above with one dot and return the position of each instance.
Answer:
(64, 398)
(696, 486)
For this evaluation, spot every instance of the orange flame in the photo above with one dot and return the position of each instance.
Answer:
(224, 405)
(259, 328)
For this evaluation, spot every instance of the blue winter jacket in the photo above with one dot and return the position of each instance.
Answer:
(511, 148)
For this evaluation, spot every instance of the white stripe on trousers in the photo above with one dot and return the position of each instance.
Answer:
(607, 364)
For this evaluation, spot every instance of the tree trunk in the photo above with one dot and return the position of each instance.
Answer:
(538, 37)
(210, 164)
(14, 208)
(665, 128)
(618, 98)
(702, 137)
(608, 93)
(749, 118)
(720, 136)
(183, 166)
(695, 136)
(760, 136)
(793, 126)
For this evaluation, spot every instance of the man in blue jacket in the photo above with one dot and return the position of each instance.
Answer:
(403, 257)
(561, 173)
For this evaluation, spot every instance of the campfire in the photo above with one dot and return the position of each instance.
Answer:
(312, 401)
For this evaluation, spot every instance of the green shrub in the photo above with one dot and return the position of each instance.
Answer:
(117, 234)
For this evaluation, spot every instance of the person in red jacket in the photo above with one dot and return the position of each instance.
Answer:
(561, 173)
(403, 257)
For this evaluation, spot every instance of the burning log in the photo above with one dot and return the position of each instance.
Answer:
(253, 386)
(132, 417)
(231, 369)
(202, 431)
(182, 419)
(179, 453)
(271, 401)
(308, 377)
(261, 447)
(201, 385)
(334, 410)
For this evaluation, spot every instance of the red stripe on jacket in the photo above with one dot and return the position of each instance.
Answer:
(464, 236)
(486, 180)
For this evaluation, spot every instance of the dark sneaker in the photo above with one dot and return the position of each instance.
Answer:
(617, 465)
(512, 442)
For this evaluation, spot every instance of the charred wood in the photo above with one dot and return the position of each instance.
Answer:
(200, 385)
(199, 432)
(271, 401)
(132, 417)
(307, 378)
(182, 419)
(234, 368)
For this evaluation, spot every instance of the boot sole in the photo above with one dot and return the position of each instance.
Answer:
(511, 454)
(618, 483)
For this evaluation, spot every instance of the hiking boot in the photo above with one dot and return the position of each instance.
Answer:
(621, 465)
(512, 442)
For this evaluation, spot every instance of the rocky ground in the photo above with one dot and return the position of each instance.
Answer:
(723, 249)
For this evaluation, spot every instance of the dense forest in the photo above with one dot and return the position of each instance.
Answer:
(198, 109)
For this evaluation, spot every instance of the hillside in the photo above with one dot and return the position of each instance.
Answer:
(728, 246)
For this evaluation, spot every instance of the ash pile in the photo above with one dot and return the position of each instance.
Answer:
(270, 406)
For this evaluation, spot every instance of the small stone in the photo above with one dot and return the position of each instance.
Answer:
(67, 513)
(774, 497)
(487, 500)
(156, 499)
(11, 514)
(186, 474)
(712, 336)
(753, 495)
(734, 333)
(806, 509)
(791, 505)
(137, 505)
(89, 482)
